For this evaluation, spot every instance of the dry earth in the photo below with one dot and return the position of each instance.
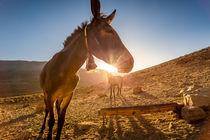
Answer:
(21, 117)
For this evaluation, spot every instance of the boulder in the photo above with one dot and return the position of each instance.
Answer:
(192, 113)
(200, 98)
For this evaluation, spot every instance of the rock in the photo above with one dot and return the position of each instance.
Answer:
(182, 92)
(137, 90)
(200, 98)
(188, 90)
(170, 125)
(192, 113)
(192, 88)
(101, 95)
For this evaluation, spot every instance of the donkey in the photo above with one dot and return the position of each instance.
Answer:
(59, 78)
(115, 82)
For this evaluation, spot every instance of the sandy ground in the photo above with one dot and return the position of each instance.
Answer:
(21, 118)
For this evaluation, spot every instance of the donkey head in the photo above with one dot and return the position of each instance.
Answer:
(105, 43)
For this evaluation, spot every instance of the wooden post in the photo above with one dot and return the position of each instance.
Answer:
(136, 110)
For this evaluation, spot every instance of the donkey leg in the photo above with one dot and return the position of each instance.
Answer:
(118, 90)
(114, 91)
(45, 117)
(58, 104)
(110, 91)
(61, 115)
(51, 121)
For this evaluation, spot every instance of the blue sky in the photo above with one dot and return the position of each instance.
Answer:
(154, 31)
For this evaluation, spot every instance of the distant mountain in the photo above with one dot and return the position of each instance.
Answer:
(22, 77)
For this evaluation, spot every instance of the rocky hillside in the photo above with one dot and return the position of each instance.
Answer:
(169, 77)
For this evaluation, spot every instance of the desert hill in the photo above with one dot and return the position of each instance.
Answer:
(169, 77)
(21, 116)
(22, 77)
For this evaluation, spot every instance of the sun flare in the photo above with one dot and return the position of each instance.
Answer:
(107, 67)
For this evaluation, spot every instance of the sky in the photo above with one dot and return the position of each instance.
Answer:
(154, 31)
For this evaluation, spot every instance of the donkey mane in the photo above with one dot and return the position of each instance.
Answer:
(72, 36)
(79, 30)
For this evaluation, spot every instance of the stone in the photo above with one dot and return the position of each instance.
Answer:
(170, 125)
(200, 98)
(192, 113)
(193, 87)
(188, 90)
(137, 90)
(182, 92)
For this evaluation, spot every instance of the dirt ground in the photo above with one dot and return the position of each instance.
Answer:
(21, 117)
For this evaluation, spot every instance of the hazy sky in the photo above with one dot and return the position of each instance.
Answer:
(154, 31)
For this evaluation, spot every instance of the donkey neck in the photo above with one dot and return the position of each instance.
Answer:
(76, 53)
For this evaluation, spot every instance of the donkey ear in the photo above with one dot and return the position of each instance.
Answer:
(111, 17)
(95, 8)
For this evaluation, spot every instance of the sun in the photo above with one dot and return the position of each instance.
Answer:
(106, 67)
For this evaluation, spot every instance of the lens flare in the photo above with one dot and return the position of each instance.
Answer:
(107, 67)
